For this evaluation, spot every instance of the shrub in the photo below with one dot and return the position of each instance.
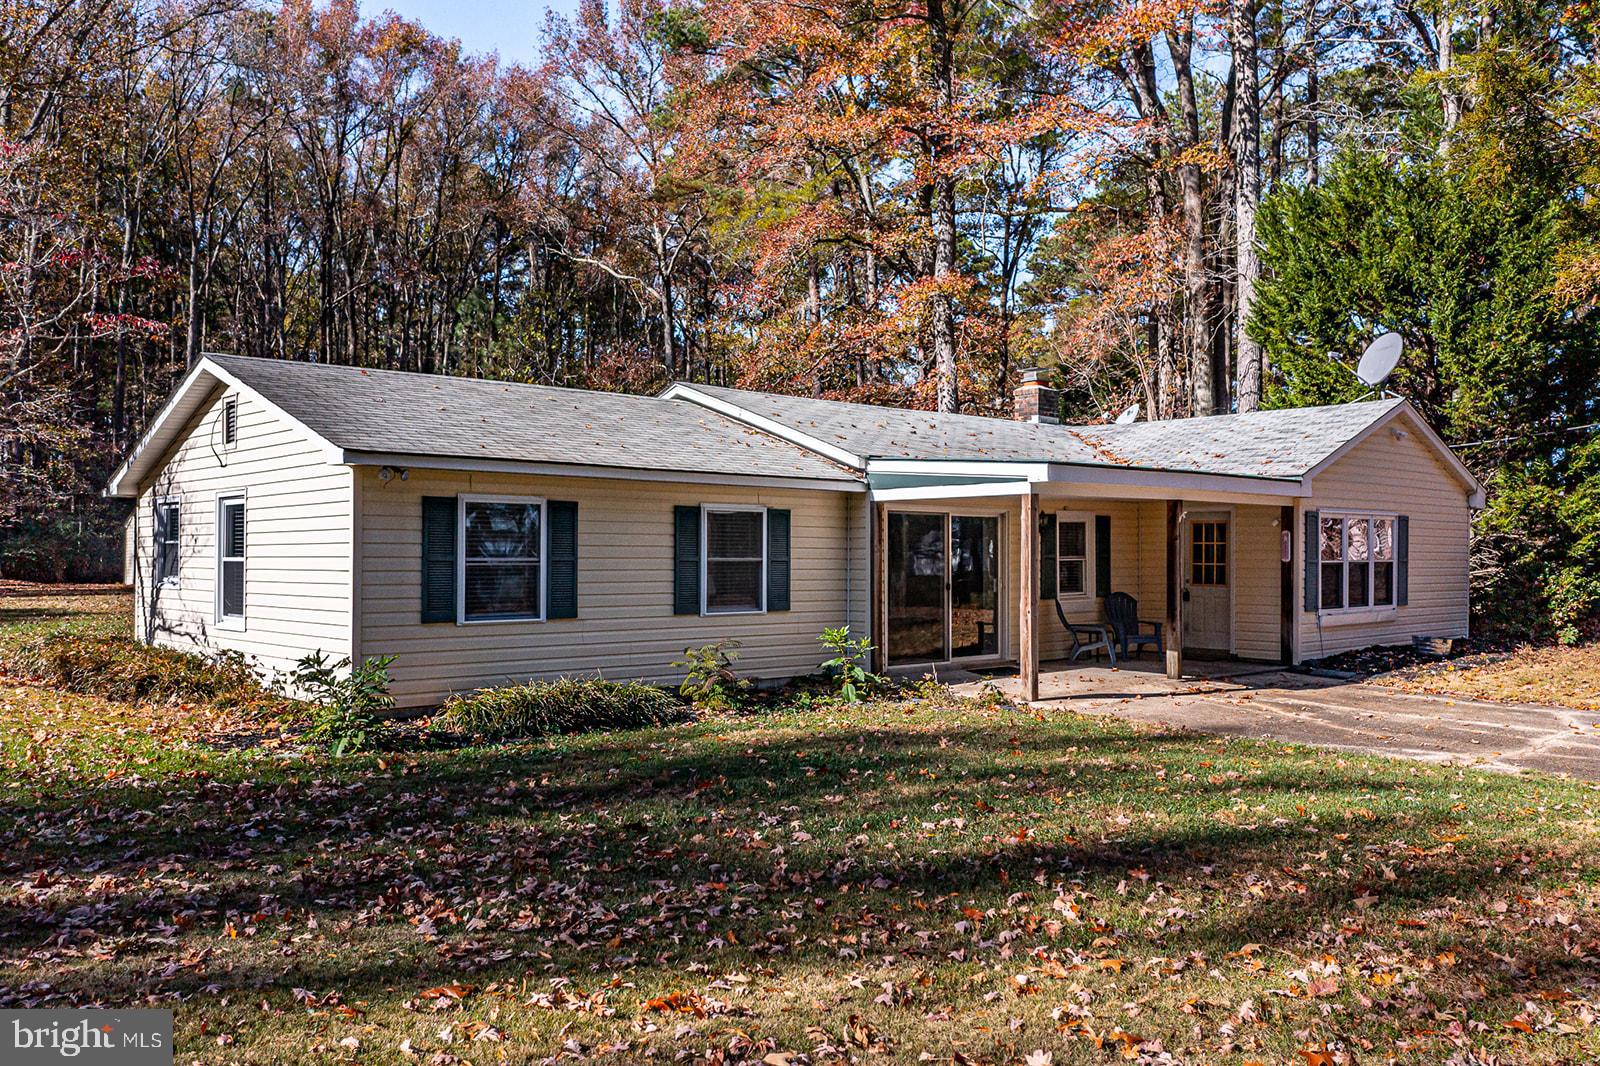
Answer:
(119, 668)
(710, 682)
(346, 703)
(847, 667)
(567, 705)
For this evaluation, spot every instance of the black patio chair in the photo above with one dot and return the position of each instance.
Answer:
(1086, 637)
(1122, 611)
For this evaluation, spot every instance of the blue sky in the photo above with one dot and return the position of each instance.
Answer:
(510, 27)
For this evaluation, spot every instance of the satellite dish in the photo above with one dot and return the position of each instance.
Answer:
(1380, 359)
(1129, 415)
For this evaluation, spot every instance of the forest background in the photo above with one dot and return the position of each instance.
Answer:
(1198, 207)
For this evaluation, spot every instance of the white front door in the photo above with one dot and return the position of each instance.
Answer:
(1207, 592)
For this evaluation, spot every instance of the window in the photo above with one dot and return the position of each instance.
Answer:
(1208, 547)
(168, 514)
(230, 420)
(502, 557)
(735, 540)
(1072, 556)
(230, 559)
(1356, 554)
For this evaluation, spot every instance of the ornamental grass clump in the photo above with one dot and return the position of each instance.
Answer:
(119, 668)
(566, 705)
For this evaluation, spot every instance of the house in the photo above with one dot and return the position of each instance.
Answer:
(484, 532)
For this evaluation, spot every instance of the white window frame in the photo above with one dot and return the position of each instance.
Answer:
(171, 581)
(1088, 593)
(1369, 611)
(231, 621)
(706, 510)
(461, 559)
(228, 402)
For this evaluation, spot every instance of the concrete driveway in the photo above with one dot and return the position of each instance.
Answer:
(1250, 701)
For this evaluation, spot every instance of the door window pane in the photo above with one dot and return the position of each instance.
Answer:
(1208, 547)
(974, 586)
(916, 588)
(735, 557)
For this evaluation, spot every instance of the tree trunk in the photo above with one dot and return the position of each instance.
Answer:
(1246, 197)
(1313, 125)
(943, 209)
(1195, 304)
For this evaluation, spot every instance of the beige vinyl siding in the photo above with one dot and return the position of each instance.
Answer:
(297, 540)
(1256, 570)
(1138, 566)
(625, 626)
(1397, 476)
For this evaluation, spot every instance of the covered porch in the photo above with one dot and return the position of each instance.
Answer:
(957, 587)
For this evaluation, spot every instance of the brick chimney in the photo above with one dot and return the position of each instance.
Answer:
(1037, 401)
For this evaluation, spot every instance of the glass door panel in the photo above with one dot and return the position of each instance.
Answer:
(974, 586)
(916, 588)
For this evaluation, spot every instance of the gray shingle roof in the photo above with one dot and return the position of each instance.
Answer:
(1273, 444)
(465, 418)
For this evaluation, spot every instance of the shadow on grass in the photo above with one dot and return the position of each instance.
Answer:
(578, 855)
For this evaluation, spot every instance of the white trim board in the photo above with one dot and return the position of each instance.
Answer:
(689, 394)
(618, 473)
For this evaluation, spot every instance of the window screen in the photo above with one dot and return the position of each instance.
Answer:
(1357, 559)
(503, 543)
(1072, 539)
(231, 551)
(735, 560)
(168, 517)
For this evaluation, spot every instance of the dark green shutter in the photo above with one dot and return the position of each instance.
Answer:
(563, 568)
(1312, 558)
(1047, 557)
(777, 560)
(686, 560)
(1102, 555)
(438, 558)
(1402, 556)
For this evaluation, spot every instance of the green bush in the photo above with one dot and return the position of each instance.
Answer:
(119, 668)
(847, 666)
(567, 705)
(709, 681)
(346, 702)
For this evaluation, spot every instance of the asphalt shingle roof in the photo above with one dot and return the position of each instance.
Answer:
(387, 411)
(1273, 444)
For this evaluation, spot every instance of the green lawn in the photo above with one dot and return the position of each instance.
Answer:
(926, 881)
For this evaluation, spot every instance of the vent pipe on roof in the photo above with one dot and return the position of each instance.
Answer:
(1036, 401)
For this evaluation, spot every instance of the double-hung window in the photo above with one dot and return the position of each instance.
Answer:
(1356, 554)
(735, 559)
(1072, 556)
(502, 559)
(230, 560)
(168, 515)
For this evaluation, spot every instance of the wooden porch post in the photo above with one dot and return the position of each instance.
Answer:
(1174, 627)
(1028, 598)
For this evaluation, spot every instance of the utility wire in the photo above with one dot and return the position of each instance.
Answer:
(1525, 436)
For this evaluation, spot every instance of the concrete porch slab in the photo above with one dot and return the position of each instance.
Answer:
(1245, 700)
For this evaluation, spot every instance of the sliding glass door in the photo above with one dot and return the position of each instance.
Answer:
(944, 587)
